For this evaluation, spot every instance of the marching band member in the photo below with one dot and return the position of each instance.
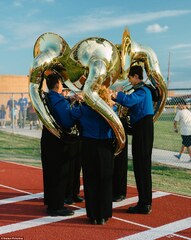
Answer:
(97, 152)
(141, 115)
(55, 153)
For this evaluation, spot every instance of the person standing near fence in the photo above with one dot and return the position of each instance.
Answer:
(141, 116)
(183, 117)
(2, 116)
(32, 116)
(12, 106)
(22, 103)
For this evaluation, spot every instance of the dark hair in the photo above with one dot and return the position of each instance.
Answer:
(136, 70)
(64, 87)
(52, 80)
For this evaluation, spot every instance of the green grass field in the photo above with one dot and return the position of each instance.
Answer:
(26, 150)
(19, 148)
(165, 137)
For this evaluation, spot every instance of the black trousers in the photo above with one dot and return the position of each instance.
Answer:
(121, 167)
(97, 166)
(142, 144)
(55, 165)
(77, 169)
(120, 172)
(73, 187)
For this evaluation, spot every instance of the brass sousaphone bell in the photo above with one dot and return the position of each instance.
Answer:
(91, 61)
(137, 54)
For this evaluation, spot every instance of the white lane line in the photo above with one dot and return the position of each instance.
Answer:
(145, 226)
(134, 223)
(21, 198)
(18, 190)
(162, 231)
(15, 189)
(178, 235)
(135, 199)
(45, 220)
(38, 222)
(40, 195)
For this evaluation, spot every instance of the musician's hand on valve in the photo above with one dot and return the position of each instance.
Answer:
(76, 98)
(80, 97)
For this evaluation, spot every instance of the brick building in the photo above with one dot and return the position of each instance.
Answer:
(13, 86)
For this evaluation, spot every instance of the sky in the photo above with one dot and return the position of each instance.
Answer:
(163, 25)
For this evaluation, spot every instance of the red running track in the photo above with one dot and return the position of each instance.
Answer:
(23, 216)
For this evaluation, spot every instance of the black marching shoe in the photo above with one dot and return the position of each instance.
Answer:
(101, 221)
(78, 199)
(118, 198)
(140, 209)
(59, 212)
(71, 200)
(98, 221)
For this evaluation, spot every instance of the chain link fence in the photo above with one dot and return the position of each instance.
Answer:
(167, 142)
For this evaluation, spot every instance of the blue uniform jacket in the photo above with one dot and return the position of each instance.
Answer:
(139, 103)
(93, 125)
(62, 111)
